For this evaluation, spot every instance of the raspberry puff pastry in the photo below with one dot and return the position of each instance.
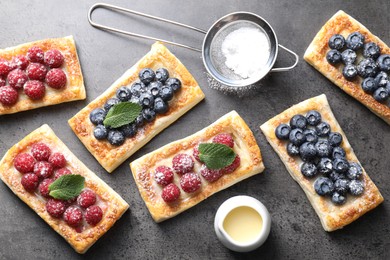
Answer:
(343, 24)
(110, 156)
(153, 174)
(97, 211)
(51, 66)
(332, 216)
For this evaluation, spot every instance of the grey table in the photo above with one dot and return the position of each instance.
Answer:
(296, 230)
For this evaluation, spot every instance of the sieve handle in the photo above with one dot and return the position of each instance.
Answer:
(287, 68)
(117, 8)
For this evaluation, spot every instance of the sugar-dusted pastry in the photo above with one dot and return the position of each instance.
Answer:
(38, 74)
(43, 173)
(354, 59)
(152, 94)
(317, 154)
(179, 175)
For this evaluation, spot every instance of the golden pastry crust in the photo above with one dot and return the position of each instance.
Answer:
(110, 156)
(342, 23)
(112, 204)
(74, 89)
(332, 216)
(245, 146)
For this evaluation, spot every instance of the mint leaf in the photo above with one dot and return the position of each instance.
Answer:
(122, 114)
(67, 187)
(216, 156)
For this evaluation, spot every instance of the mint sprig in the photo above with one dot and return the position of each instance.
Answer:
(67, 187)
(216, 156)
(122, 114)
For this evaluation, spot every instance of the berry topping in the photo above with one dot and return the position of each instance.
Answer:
(341, 186)
(356, 187)
(170, 193)
(340, 165)
(174, 83)
(307, 151)
(381, 94)
(137, 88)
(381, 79)
(182, 163)
(163, 175)
(97, 116)
(166, 93)
(162, 75)
(5, 67)
(333, 57)
(56, 78)
(35, 54)
(160, 106)
(20, 62)
(8, 96)
(334, 176)
(55, 207)
(323, 129)
(282, 132)
(209, 174)
(355, 41)
(110, 103)
(148, 114)
(384, 62)
(36, 71)
(93, 215)
(337, 42)
(123, 94)
(309, 169)
(43, 169)
(140, 120)
(338, 198)
(292, 149)
(190, 182)
(154, 88)
(311, 135)
(369, 85)
(30, 182)
(53, 58)
(62, 172)
(338, 152)
(146, 100)
(100, 132)
(225, 139)
(73, 216)
(146, 75)
(24, 162)
(350, 72)
(115, 137)
(17, 78)
(86, 198)
(195, 153)
(323, 186)
(335, 139)
(2, 82)
(324, 149)
(371, 50)
(325, 166)
(44, 187)
(129, 130)
(297, 136)
(232, 167)
(367, 68)
(57, 160)
(348, 56)
(355, 171)
(41, 151)
(313, 118)
(34, 89)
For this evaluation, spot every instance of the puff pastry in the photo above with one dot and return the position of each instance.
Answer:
(74, 89)
(342, 23)
(246, 147)
(110, 156)
(332, 216)
(114, 205)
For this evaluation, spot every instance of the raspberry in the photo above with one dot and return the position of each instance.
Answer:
(35, 54)
(163, 175)
(58, 160)
(8, 96)
(17, 78)
(182, 163)
(93, 215)
(43, 169)
(73, 216)
(24, 162)
(209, 174)
(53, 58)
(36, 71)
(19, 62)
(41, 152)
(56, 78)
(2, 82)
(170, 193)
(195, 153)
(86, 198)
(55, 207)
(62, 172)
(44, 187)
(232, 167)
(225, 139)
(34, 89)
(5, 67)
(190, 182)
(30, 181)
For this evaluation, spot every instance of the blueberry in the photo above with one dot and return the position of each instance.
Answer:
(149, 114)
(350, 72)
(323, 148)
(355, 41)
(311, 135)
(129, 130)
(381, 94)
(160, 106)
(309, 169)
(335, 139)
(100, 132)
(338, 198)
(369, 85)
(323, 186)
(367, 68)
(137, 88)
(341, 186)
(146, 100)
(123, 94)
(174, 83)
(334, 176)
(323, 129)
(297, 136)
(97, 116)
(381, 79)
(162, 75)
(110, 103)
(348, 56)
(338, 152)
(282, 132)
(292, 149)
(313, 117)
(333, 57)
(307, 151)
(115, 137)
(298, 121)
(146, 75)
(154, 88)
(340, 165)
(384, 62)
(356, 187)
(337, 42)
(355, 171)
(140, 120)
(166, 93)
(371, 50)
(325, 166)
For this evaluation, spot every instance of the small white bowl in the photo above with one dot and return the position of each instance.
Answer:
(228, 206)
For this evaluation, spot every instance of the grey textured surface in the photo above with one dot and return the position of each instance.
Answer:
(296, 230)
